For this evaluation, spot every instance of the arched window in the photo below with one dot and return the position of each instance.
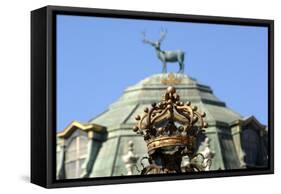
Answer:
(250, 144)
(75, 155)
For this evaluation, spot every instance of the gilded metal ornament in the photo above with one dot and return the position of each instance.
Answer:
(170, 129)
(171, 80)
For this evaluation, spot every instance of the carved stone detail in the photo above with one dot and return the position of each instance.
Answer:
(130, 159)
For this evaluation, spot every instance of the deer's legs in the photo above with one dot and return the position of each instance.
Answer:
(181, 69)
(181, 64)
(164, 68)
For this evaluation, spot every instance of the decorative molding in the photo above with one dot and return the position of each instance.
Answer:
(84, 127)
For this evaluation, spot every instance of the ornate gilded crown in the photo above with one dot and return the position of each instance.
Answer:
(170, 123)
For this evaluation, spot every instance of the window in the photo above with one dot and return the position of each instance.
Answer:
(250, 143)
(75, 155)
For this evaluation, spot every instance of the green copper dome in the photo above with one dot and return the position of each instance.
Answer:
(119, 120)
(106, 145)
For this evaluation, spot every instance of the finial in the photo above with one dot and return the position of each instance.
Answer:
(171, 90)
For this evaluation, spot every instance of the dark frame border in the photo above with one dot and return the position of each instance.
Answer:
(43, 94)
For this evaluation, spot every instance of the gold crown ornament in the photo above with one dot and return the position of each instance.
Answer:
(170, 129)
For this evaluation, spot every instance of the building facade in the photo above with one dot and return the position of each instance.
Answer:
(96, 148)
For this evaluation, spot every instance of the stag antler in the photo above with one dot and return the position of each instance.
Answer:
(162, 35)
(146, 40)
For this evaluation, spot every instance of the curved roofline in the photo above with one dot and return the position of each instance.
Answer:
(84, 127)
(247, 120)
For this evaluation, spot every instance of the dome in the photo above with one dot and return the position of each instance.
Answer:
(119, 121)
(102, 144)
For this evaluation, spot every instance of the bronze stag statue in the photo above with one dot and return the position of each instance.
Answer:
(166, 56)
